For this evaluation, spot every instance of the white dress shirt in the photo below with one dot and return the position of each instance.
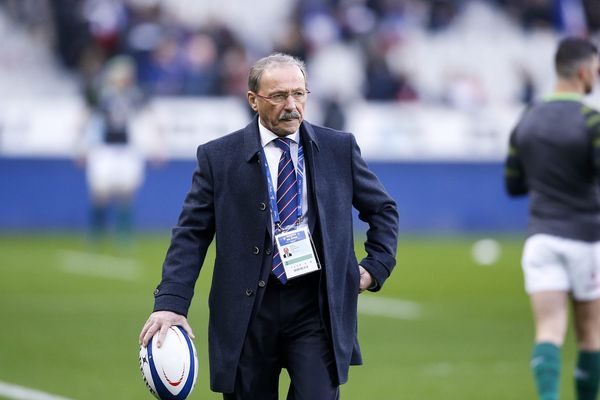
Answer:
(273, 154)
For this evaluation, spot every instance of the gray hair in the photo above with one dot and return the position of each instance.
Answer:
(264, 63)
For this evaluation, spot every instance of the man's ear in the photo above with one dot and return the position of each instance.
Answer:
(252, 101)
(582, 72)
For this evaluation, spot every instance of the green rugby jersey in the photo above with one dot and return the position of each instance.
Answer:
(554, 156)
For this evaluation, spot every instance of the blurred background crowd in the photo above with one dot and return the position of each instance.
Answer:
(450, 51)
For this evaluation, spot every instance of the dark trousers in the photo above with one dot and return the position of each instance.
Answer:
(287, 332)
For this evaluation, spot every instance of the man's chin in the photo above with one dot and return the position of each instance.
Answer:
(287, 128)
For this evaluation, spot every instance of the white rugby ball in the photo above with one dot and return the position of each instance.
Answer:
(170, 371)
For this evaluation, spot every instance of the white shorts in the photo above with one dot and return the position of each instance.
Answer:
(553, 263)
(114, 170)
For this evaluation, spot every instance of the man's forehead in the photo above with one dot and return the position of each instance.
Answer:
(283, 75)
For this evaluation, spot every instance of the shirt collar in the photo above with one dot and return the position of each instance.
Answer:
(266, 136)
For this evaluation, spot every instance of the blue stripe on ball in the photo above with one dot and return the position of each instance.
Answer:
(161, 389)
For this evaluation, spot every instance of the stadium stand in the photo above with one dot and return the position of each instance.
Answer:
(417, 81)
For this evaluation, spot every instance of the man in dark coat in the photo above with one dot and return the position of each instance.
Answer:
(278, 175)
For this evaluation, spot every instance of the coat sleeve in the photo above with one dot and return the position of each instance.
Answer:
(379, 211)
(190, 240)
(514, 174)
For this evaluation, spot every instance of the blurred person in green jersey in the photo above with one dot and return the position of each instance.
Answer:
(114, 166)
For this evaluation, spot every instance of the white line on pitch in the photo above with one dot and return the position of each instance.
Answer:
(387, 307)
(442, 369)
(15, 392)
(99, 265)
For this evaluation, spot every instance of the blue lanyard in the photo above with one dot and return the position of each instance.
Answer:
(271, 187)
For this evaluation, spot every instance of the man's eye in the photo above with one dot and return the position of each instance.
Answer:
(279, 97)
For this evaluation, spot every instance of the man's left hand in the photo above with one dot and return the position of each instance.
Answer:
(366, 280)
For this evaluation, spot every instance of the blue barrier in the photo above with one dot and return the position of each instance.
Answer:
(432, 197)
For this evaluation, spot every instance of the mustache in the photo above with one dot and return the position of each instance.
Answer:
(288, 116)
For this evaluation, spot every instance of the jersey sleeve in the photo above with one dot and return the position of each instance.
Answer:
(514, 174)
(592, 122)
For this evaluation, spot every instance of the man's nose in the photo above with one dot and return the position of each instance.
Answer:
(290, 103)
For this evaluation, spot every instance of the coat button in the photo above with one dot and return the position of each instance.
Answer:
(261, 283)
(156, 291)
(268, 252)
(262, 206)
(249, 292)
(256, 250)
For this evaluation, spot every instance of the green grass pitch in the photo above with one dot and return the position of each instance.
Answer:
(71, 317)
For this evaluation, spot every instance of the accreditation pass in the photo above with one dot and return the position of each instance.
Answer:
(296, 252)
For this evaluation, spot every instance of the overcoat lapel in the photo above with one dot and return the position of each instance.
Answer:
(255, 179)
(311, 149)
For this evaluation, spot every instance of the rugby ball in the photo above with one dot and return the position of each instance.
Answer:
(170, 371)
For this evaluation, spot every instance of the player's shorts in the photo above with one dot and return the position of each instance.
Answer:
(552, 263)
(114, 170)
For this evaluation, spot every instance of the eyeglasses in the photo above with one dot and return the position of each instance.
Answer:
(281, 97)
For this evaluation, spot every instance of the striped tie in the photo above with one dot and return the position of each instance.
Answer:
(287, 202)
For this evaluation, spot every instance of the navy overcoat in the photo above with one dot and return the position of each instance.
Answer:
(228, 202)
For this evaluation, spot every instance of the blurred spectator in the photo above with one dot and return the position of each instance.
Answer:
(143, 35)
(106, 21)
(166, 70)
(235, 67)
(592, 11)
(537, 14)
(383, 83)
(201, 66)
(72, 31)
(291, 41)
(442, 13)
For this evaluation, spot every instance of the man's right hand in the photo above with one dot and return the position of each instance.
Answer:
(161, 321)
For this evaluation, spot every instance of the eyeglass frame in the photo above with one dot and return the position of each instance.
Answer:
(283, 100)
